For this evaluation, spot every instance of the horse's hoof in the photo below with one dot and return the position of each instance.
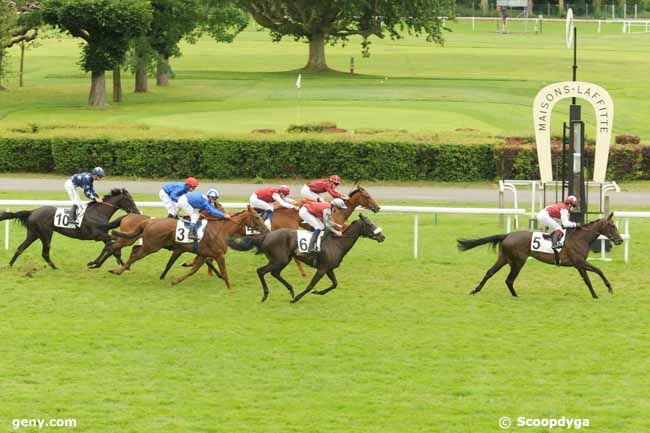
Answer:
(114, 272)
(473, 292)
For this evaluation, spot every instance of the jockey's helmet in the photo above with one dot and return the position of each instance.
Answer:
(335, 179)
(98, 171)
(284, 189)
(191, 182)
(571, 200)
(213, 193)
(339, 203)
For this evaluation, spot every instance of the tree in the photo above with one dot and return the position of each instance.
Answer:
(106, 27)
(18, 25)
(331, 21)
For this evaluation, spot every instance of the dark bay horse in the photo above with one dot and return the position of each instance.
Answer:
(280, 246)
(286, 218)
(515, 249)
(94, 227)
(161, 233)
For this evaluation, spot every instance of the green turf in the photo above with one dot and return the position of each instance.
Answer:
(398, 347)
(481, 79)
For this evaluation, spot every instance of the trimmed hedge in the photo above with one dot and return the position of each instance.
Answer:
(299, 156)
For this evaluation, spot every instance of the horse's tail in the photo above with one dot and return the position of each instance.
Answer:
(134, 234)
(246, 243)
(22, 215)
(468, 244)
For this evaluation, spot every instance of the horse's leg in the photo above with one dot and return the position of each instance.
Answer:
(332, 277)
(104, 251)
(221, 261)
(261, 271)
(585, 278)
(300, 268)
(134, 250)
(588, 266)
(172, 259)
(501, 262)
(46, 240)
(31, 237)
(213, 270)
(136, 254)
(319, 274)
(197, 265)
(118, 256)
(515, 268)
(277, 269)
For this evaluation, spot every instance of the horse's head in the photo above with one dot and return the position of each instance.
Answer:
(360, 197)
(252, 219)
(608, 229)
(370, 230)
(121, 199)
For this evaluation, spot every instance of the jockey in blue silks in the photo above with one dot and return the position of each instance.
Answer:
(194, 202)
(85, 182)
(172, 191)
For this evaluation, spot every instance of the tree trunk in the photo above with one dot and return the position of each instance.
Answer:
(596, 6)
(22, 64)
(162, 71)
(531, 12)
(317, 62)
(97, 96)
(117, 85)
(561, 6)
(141, 79)
(485, 5)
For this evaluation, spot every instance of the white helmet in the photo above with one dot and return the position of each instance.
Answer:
(339, 203)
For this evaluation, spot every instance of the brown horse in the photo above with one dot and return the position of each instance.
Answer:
(161, 233)
(287, 218)
(280, 246)
(515, 249)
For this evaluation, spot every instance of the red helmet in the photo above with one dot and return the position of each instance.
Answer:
(571, 200)
(284, 189)
(335, 179)
(192, 182)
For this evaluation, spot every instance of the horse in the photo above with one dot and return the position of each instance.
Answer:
(94, 227)
(281, 245)
(161, 233)
(288, 218)
(516, 248)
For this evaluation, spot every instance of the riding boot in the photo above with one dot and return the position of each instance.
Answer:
(194, 230)
(73, 214)
(312, 242)
(172, 216)
(555, 239)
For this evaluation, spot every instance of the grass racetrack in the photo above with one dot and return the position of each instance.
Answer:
(398, 347)
(481, 79)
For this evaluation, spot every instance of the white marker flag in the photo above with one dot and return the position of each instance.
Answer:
(299, 81)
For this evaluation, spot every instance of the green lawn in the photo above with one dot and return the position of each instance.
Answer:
(481, 80)
(398, 347)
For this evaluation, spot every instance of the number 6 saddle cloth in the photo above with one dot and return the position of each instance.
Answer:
(304, 238)
(541, 242)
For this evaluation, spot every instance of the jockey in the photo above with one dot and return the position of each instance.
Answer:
(319, 216)
(313, 189)
(264, 198)
(85, 182)
(194, 202)
(171, 191)
(547, 218)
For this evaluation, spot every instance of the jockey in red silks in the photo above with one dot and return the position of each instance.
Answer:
(559, 211)
(313, 189)
(319, 216)
(264, 198)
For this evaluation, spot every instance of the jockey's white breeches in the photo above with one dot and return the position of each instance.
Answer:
(260, 204)
(72, 193)
(171, 207)
(311, 219)
(545, 220)
(189, 210)
(305, 192)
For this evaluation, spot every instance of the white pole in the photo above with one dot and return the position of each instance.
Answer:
(602, 249)
(598, 26)
(508, 224)
(473, 23)
(627, 241)
(7, 233)
(635, 11)
(613, 11)
(415, 237)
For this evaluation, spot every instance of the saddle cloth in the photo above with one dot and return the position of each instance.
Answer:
(304, 238)
(541, 242)
(183, 231)
(62, 217)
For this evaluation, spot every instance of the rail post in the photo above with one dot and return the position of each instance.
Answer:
(415, 236)
(7, 233)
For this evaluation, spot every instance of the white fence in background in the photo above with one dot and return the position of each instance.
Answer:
(403, 209)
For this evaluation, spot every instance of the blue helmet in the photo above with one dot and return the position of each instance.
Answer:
(213, 193)
(98, 171)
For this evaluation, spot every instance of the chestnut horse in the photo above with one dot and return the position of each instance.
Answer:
(515, 249)
(161, 233)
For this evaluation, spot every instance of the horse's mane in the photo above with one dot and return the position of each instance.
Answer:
(114, 192)
(356, 190)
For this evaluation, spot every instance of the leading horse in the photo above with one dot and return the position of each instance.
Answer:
(515, 249)
(94, 227)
